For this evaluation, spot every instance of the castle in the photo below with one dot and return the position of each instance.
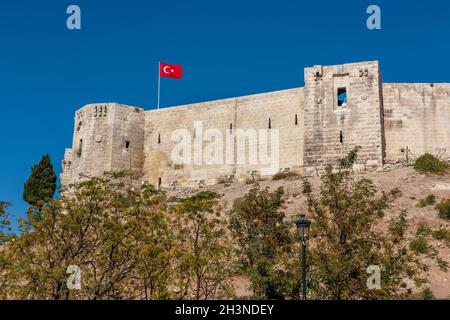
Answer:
(340, 107)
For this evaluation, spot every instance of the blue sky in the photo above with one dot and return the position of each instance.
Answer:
(228, 48)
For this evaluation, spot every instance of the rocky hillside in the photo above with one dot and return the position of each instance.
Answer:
(404, 187)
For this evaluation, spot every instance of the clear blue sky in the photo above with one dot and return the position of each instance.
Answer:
(228, 48)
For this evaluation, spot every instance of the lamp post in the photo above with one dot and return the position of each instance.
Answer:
(303, 234)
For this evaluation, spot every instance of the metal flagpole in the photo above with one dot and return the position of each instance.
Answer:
(159, 81)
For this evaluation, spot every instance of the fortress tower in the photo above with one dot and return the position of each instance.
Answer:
(340, 107)
(107, 136)
(343, 109)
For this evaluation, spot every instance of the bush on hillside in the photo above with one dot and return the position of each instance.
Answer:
(444, 209)
(441, 234)
(429, 164)
(419, 245)
(428, 200)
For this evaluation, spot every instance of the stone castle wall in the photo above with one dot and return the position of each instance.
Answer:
(417, 119)
(314, 126)
(229, 115)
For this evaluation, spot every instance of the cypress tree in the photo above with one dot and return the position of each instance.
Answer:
(41, 184)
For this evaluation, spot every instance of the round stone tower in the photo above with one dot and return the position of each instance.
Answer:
(107, 137)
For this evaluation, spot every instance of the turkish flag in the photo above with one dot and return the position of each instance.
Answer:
(170, 70)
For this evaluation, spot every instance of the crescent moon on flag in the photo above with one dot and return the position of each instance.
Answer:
(167, 72)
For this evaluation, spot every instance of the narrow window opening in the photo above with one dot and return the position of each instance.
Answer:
(127, 144)
(296, 120)
(159, 182)
(341, 137)
(159, 138)
(342, 97)
(80, 147)
(270, 123)
(231, 128)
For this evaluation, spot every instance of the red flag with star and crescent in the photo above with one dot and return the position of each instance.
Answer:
(170, 70)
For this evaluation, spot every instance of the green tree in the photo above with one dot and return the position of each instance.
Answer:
(155, 247)
(128, 243)
(41, 184)
(346, 239)
(107, 229)
(204, 257)
(265, 245)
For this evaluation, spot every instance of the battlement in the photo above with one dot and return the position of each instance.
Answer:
(340, 107)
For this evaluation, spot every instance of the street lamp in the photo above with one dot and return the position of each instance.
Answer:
(303, 234)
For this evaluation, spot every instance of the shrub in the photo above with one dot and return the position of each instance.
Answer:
(419, 245)
(284, 175)
(423, 229)
(441, 234)
(428, 200)
(444, 209)
(427, 294)
(429, 164)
